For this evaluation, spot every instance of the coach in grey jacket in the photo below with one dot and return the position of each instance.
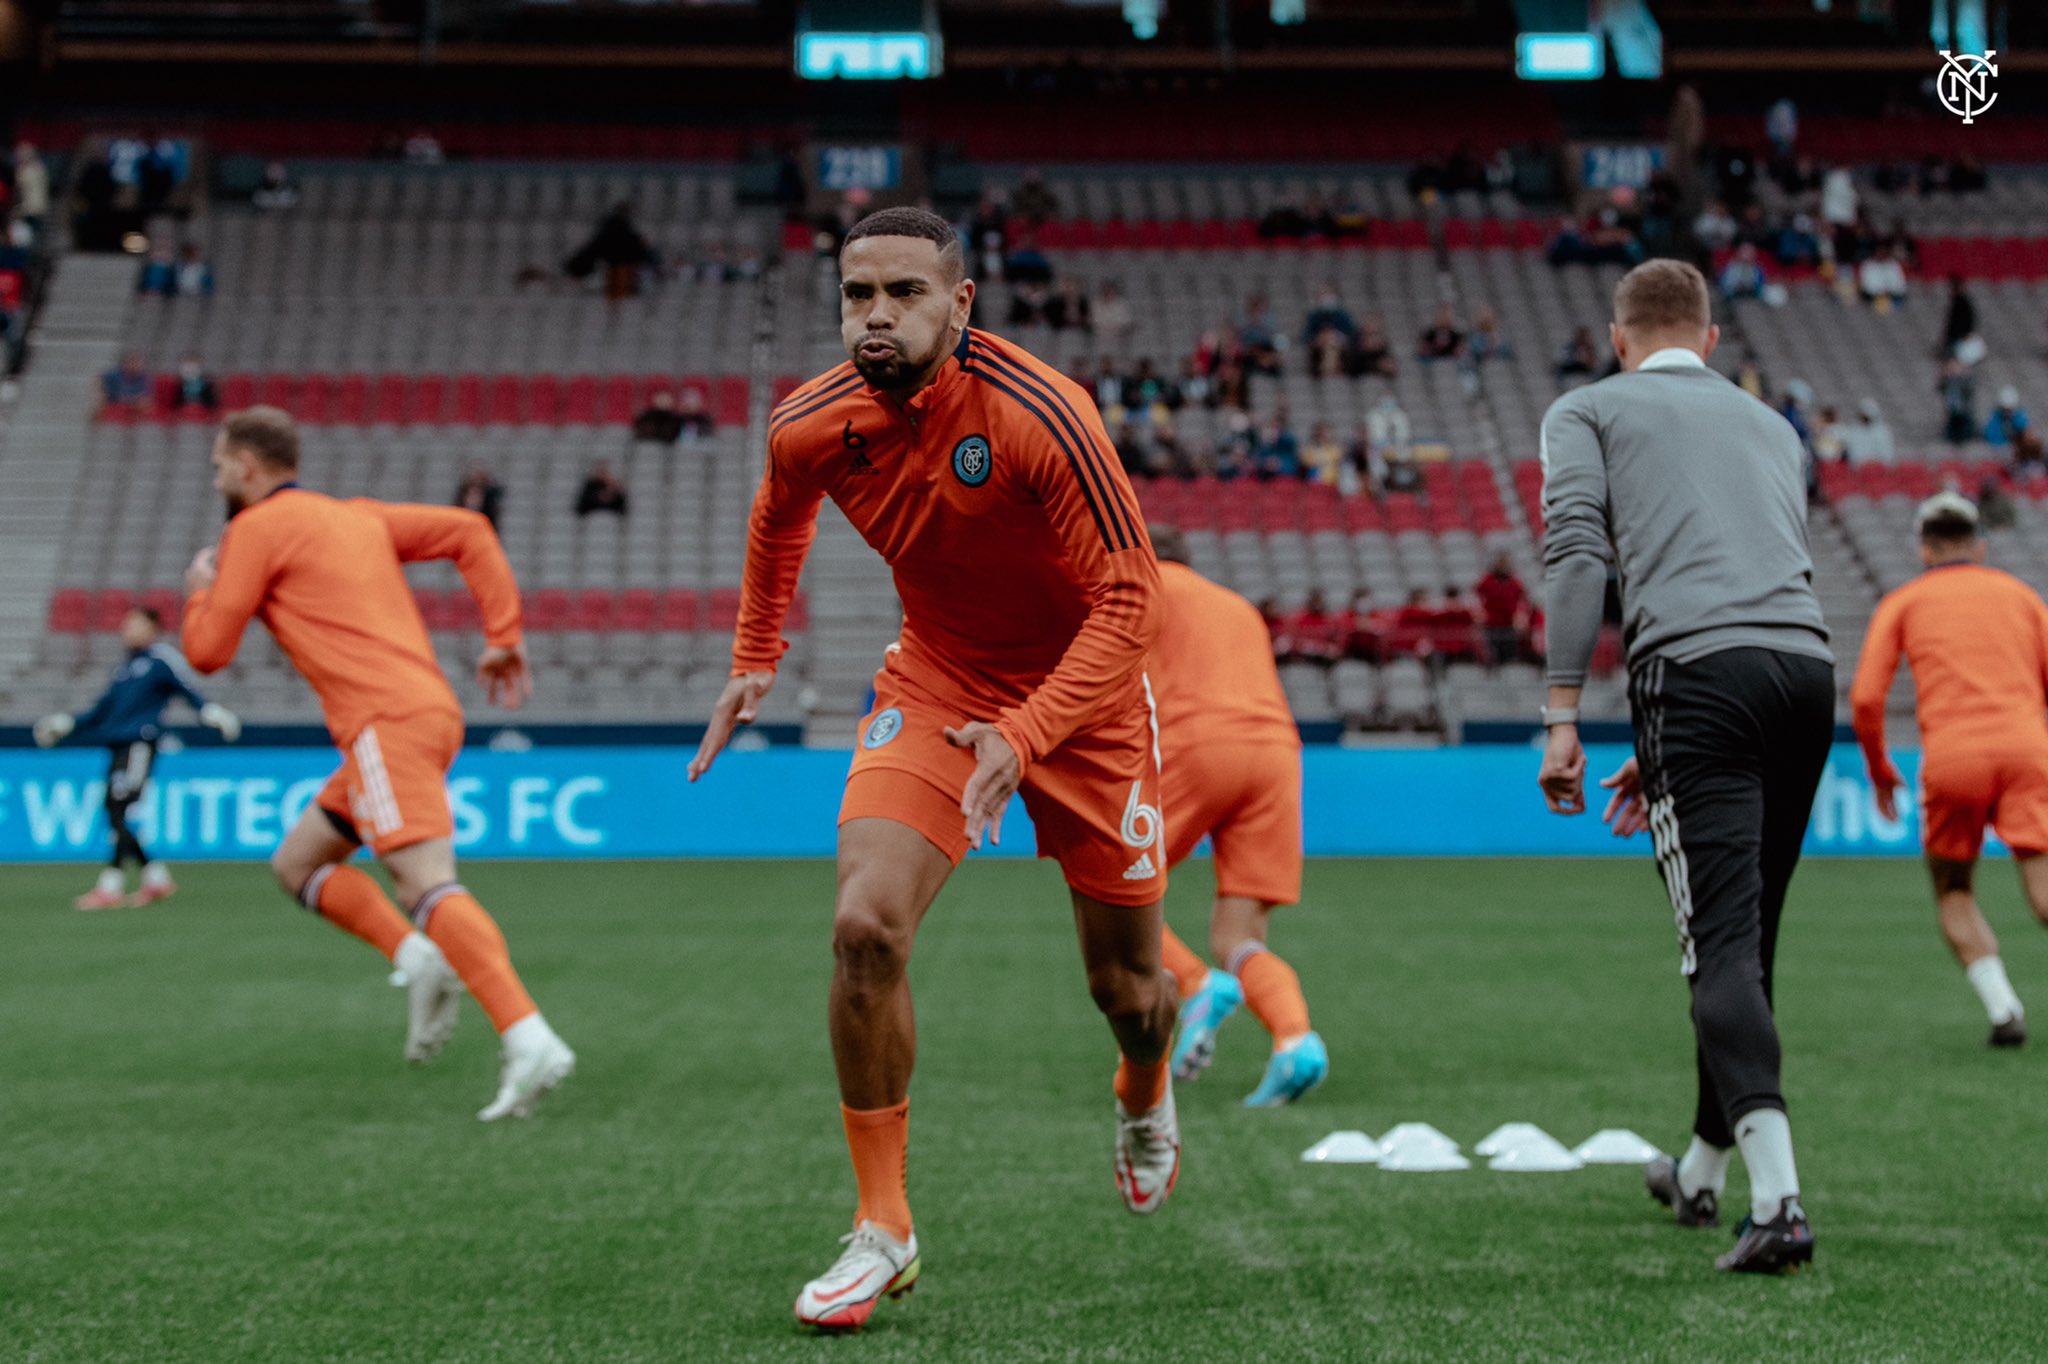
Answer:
(1694, 492)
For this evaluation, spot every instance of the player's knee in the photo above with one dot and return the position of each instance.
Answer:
(1120, 991)
(867, 944)
(1728, 1012)
(292, 872)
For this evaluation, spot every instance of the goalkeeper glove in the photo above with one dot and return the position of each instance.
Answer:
(216, 716)
(52, 728)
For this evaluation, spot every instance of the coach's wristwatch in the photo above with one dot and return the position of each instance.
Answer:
(1563, 715)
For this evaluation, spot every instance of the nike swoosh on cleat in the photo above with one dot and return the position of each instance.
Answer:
(835, 1297)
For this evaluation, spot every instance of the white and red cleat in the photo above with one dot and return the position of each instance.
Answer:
(149, 892)
(874, 1265)
(1147, 1154)
(97, 898)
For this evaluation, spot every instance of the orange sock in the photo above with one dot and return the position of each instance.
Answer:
(1140, 1088)
(350, 899)
(1189, 971)
(879, 1139)
(470, 939)
(1273, 992)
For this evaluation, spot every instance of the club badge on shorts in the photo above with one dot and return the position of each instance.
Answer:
(973, 461)
(883, 728)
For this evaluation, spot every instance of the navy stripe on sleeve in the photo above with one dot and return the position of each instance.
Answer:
(1053, 427)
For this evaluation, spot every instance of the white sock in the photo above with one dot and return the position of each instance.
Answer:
(1987, 974)
(111, 881)
(1703, 1167)
(156, 874)
(1765, 1136)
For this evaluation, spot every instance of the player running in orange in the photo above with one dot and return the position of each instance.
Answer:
(1230, 765)
(1977, 641)
(1029, 592)
(326, 577)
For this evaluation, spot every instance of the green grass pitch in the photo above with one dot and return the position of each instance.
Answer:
(214, 1153)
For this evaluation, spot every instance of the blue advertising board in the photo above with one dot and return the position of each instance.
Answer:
(235, 803)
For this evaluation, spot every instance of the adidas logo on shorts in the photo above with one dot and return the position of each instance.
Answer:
(1142, 869)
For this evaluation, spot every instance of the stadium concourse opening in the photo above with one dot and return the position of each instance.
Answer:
(570, 307)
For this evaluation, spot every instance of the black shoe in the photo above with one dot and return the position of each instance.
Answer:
(1660, 1177)
(2011, 1033)
(1778, 1246)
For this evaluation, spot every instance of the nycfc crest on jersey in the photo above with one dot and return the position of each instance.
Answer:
(883, 728)
(973, 461)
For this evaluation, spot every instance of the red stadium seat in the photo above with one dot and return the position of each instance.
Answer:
(389, 406)
(548, 610)
(621, 403)
(579, 401)
(315, 398)
(469, 400)
(544, 400)
(729, 399)
(721, 608)
(592, 610)
(352, 400)
(433, 605)
(109, 607)
(427, 399)
(677, 610)
(635, 609)
(460, 611)
(505, 405)
(70, 611)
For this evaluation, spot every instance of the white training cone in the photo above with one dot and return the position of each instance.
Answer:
(1616, 1146)
(1538, 1154)
(1344, 1148)
(1508, 1136)
(1418, 1148)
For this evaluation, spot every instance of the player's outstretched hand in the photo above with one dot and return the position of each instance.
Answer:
(200, 573)
(996, 775)
(1625, 813)
(217, 717)
(1563, 777)
(738, 705)
(505, 676)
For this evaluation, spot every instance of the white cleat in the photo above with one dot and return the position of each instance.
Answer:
(1147, 1155)
(535, 1062)
(433, 993)
(874, 1265)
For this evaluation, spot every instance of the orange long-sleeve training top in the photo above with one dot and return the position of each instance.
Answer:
(1029, 586)
(1977, 641)
(325, 576)
(1212, 670)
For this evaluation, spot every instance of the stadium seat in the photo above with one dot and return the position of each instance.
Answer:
(70, 611)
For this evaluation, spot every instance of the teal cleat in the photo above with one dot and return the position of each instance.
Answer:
(1200, 1016)
(1293, 1071)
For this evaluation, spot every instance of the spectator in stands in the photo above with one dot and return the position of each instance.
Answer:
(1109, 386)
(2008, 420)
(1328, 314)
(602, 491)
(1149, 394)
(1579, 357)
(1364, 469)
(194, 275)
(1230, 388)
(618, 248)
(1567, 244)
(1317, 633)
(1329, 354)
(159, 277)
(1995, 507)
(1796, 408)
(1112, 317)
(1504, 606)
(1276, 628)
(1027, 304)
(1363, 635)
(1194, 384)
(194, 390)
(1840, 207)
(1829, 447)
(1322, 457)
(1034, 200)
(1279, 450)
(424, 149)
(664, 422)
(1961, 322)
(1743, 276)
(1257, 339)
(1133, 451)
(1868, 440)
(2029, 455)
(31, 188)
(275, 192)
(1286, 220)
(1798, 242)
(1373, 357)
(988, 234)
(1388, 428)
(1026, 263)
(1749, 377)
(1715, 227)
(1485, 341)
(1958, 388)
(1882, 279)
(1441, 339)
(480, 491)
(127, 385)
(1066, 306)
(1169, 455)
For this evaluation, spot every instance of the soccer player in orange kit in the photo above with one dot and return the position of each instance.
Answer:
(326, 577)
(1977, 641)
(1231, 772)
(1029, 592)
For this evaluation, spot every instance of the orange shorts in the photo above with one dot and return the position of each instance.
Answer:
(1094, 800)
(1245, 796)
(1963, 792)
(392, 786)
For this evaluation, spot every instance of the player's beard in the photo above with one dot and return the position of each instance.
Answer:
(236, 504)
(900, 371)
